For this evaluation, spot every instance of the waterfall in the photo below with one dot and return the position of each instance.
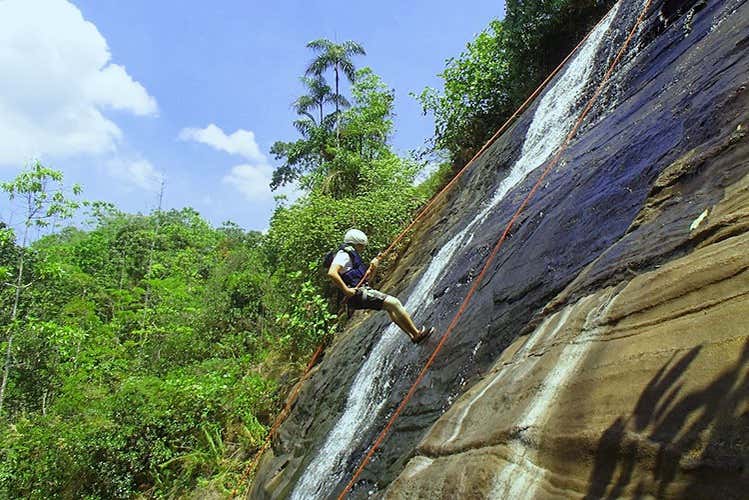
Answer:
(554, 116)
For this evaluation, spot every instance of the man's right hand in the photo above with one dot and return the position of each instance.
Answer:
(350, 292)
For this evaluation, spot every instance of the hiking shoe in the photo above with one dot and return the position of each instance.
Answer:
(423, 333)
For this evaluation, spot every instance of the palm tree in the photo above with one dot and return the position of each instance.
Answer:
(319, 94)
(338, 57)
(314, 128)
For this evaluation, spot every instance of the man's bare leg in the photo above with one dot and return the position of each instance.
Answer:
(400, 316)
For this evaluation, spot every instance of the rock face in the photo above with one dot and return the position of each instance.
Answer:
(606, 353)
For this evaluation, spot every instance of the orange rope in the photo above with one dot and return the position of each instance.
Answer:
(488, 144)
(495, 250)
(480, 152)
(290, 401)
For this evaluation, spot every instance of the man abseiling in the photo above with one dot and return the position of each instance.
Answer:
(348, 269)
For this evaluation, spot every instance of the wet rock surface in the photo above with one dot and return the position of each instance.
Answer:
(627, 274)
(635, 390)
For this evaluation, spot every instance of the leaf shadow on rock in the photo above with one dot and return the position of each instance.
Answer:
(665, 429)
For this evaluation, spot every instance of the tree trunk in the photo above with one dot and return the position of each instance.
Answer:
(13, 316)
(6, 369)
(337, 98)
(337, 95)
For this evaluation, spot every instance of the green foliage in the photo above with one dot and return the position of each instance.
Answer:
(110, 394)
(367, 125)
(40, 193)
(8, 252)
(307, 321)
(161, 432)
(300, 156)
(501, 67)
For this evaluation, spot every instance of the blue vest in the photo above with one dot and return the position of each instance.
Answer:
(353, 276)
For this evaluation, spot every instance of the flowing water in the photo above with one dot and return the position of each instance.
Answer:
(554, 117)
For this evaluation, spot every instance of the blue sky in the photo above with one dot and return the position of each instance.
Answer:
(119, 95)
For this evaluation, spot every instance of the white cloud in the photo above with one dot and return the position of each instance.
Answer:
(139, 172)
(113, 87)
(253, 181)
(242, 142)
(57, 79)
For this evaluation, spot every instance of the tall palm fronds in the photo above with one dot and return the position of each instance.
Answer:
(319, 94)
(335, 56)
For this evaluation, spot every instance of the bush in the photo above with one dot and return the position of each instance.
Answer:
(303, 233)
(146, 434)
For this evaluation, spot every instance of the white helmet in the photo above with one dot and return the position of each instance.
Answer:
(355, 237)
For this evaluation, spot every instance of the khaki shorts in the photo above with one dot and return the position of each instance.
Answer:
(367, 298)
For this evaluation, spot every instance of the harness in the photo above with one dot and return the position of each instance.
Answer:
(353, 276)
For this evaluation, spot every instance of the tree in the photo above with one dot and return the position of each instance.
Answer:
(316, 146)
(335, 56)
(314, 126)
(319, 94)
(365, 130)
(299, 156)
(43, 200)
(368, 124)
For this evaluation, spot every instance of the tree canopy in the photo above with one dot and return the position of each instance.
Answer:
(335, 148)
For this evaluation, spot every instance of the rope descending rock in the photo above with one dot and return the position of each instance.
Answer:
(490, 259)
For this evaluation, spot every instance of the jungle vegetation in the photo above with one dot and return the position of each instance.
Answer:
(146, 355)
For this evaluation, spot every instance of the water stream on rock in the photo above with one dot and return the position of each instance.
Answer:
(554, 117)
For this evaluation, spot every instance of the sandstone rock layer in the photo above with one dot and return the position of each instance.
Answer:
(641, 389)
